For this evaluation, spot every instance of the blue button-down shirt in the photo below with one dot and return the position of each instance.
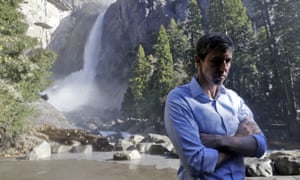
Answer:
(189, 112)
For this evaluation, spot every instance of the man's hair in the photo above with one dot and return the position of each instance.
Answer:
(213, 41)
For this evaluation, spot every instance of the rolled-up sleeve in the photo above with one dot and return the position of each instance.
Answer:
(261, 144)
(260, 138)
(184, 134)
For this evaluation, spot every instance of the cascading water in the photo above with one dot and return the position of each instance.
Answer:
(79, 89)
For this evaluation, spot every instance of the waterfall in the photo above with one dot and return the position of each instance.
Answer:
(79, 89)
(91, 52)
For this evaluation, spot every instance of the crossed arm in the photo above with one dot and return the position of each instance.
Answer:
(242, 142)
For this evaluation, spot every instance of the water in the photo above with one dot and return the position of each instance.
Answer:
(81, 168)
(110, 133)
(159, 162)
(80, 89)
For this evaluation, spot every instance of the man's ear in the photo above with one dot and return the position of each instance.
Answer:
(197, 59)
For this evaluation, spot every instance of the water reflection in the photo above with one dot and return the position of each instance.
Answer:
(159, 162)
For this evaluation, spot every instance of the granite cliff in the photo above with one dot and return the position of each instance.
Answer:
(64, 26)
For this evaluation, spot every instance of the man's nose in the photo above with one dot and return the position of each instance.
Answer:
(223, 66)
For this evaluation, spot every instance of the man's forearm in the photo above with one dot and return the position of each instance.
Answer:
(243, 142)
(244, 145)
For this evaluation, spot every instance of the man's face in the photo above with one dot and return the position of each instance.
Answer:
(215, 67)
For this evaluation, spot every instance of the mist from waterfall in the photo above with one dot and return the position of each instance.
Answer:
(79, 89)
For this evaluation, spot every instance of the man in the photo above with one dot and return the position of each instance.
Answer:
(210, 126)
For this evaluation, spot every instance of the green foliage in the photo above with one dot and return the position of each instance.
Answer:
(24, 69)
(180, 47)
(193, 29)
(265, 69)
(28, 71)
(193, 22)
(280, 47)
(162, 79)
(13, 109)
(179, 43)
(134, 97)
(11, 20)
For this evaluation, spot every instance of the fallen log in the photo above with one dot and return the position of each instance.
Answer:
(68, 136)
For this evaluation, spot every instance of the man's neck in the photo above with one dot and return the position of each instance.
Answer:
(208, 88)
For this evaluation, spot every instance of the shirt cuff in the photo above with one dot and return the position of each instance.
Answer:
(261, 144)
(210, 160)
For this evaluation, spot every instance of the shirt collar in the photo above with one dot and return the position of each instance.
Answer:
(197, 90)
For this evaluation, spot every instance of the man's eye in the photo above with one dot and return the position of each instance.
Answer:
(220, 60)
(217, 60)
(227, 60)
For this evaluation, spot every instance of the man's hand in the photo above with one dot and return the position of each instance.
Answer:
(247, 127)
(241, 143)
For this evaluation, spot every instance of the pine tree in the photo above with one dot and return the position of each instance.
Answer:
(193, 29)
(179, 45)
(134, 97)
(280, 52)
(11, 19)
(24, 69)
(162, 79)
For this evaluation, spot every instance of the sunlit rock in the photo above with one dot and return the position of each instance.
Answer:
(41, 151)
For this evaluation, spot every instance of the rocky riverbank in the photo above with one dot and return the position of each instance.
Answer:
(54, 142)
(58, 140)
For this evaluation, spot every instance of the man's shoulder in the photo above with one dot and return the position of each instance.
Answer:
(180, 92)
(229, 92)
(232, 95)
(181, 89)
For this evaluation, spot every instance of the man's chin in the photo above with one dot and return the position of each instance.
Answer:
(219, 81)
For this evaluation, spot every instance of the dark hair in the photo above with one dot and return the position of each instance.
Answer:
(212, 41)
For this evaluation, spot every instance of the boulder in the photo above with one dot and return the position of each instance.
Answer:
(57, 148)
(286, 162)
(86, 149)
(20, 145)
(127, 155)
(144, 147)
(258, 167)
(41, 151)
(156, 138)
(123, 145)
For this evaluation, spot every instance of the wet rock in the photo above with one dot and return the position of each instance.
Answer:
(82, 149)
(127, 155)
(258, 167)
(286, 162)
(144, 147)
(57, 148)
(123, 145)
(42, 151)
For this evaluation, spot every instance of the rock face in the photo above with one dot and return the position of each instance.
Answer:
(43, 19)
(64, 26)
(128, 23)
